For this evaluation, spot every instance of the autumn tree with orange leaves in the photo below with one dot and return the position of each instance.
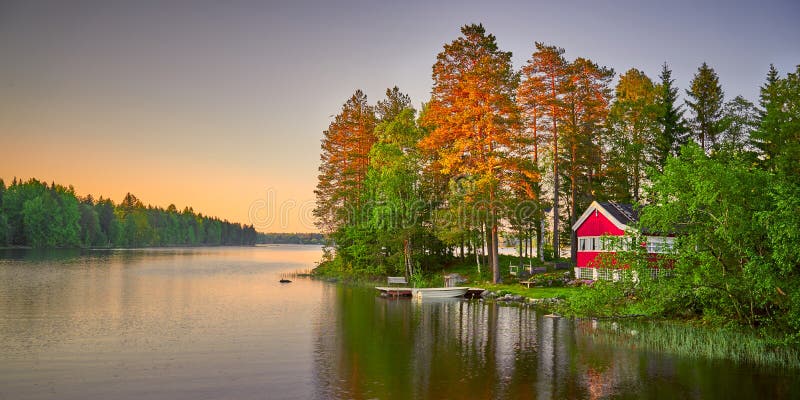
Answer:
(474, 122)
(344, 163)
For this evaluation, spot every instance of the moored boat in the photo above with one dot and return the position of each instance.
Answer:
(427, 293)
(439, 292)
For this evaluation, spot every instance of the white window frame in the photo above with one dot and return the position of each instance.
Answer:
(660, 244)
(603, 244)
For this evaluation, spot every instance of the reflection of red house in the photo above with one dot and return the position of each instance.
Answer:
(602, 229)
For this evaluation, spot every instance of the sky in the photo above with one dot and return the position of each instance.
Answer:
(221, 105)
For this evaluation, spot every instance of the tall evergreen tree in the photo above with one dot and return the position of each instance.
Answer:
(706, 104)
(672, 133)
(473, 117)
(345, 159)
(548, 70)
(532, 96)
(778, 136)
(586, 99)
(633, 133)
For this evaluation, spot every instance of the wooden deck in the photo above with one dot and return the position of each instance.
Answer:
(394, 291)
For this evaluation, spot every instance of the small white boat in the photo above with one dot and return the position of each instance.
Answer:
(426, 293)
(439, 292)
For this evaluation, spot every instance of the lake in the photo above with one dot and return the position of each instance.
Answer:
(211, 323)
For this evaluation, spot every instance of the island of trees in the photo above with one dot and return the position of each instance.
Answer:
(496, 149)
(35, 214)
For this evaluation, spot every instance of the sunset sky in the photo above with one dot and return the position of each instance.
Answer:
(220, 105)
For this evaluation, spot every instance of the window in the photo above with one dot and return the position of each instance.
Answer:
(656, 244)
(581, 244)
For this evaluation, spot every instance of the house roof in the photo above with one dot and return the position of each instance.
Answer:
(624, 213)
(624, 216)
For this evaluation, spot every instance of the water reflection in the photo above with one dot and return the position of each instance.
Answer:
(167, 323)
(215, 323)
(369, 347)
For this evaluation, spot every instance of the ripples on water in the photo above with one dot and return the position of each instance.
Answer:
(215, 323)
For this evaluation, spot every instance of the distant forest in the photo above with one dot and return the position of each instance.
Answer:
(35, 214)
(290, 238)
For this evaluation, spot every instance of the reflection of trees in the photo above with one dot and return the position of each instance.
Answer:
(368, 347)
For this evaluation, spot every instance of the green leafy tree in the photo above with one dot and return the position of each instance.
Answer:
(90, 232)
(51, 219)
(109, 224)
(734, 222)
(706, 100)
(739, 119)
(393, 181)
(13, 205)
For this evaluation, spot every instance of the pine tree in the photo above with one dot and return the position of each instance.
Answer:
(344, 162)
(546, 74)
(633, 132)
(778, 136)
(586, 99)
(706, 106)
(672, 133)
(473, 117)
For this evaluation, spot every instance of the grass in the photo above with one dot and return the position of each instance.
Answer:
(511, 284)
(699, 342)
(534, 293)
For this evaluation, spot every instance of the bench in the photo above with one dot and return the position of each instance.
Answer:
(528, 283)
(400, 280)
(537, 270)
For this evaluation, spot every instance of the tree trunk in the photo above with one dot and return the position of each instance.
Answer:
(496, 278)
(477, 257)
(540, 241)
(489, 248)
(573, 248)
(556, 253)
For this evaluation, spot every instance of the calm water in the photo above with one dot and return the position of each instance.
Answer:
(215, 323)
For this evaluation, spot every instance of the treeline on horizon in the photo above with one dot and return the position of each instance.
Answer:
(290, 238)
(35, 214)
(405, 191)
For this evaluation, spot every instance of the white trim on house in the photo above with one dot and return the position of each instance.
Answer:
(595, 206)
(604, 244)
(613, 244)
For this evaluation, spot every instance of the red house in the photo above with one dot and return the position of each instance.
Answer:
(602, 229)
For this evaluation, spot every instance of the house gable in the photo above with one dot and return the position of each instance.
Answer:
(597, 221)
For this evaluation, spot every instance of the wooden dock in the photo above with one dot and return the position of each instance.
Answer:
(394, 291)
